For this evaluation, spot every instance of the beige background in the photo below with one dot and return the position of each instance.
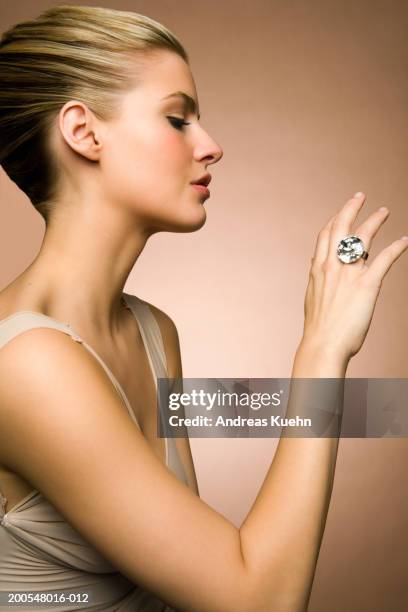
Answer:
(308, 100)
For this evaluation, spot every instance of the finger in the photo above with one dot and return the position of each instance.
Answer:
(367, 230)
(384, 260)
(344, 221)
(322, 244)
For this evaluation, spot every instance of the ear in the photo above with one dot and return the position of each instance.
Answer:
(78, 127)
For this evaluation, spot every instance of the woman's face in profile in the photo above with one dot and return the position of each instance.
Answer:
(150, 157)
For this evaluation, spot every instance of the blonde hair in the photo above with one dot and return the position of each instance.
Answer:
(68, 52)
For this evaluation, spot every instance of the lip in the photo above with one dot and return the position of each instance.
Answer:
(201, 189)
(204, 180)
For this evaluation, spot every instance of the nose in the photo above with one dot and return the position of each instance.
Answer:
(207, 149)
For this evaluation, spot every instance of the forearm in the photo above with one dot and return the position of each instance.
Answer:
(282, 533)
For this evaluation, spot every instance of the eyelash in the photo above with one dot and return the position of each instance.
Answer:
(177, 123)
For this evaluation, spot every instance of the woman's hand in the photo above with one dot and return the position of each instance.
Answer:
(340, 298)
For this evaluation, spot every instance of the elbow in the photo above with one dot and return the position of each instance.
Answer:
(266, 595)
(274, 604)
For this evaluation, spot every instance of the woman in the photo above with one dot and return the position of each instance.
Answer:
(99, 126)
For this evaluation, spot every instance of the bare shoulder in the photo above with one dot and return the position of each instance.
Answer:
(46, 358)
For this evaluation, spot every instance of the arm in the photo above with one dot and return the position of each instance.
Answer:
(282, 534)
(311, 461)
(286, 521)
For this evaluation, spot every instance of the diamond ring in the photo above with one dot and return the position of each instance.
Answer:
(350, 249)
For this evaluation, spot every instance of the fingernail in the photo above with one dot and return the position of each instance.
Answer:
(404, 238)
(383, 208)
(358, 194)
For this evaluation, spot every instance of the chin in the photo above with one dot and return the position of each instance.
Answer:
(187, 216)
(190, 222)
(184, 218)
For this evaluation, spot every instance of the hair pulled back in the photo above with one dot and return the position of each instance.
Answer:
(68, 52)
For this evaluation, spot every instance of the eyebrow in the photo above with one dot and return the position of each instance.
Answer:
(191, 104)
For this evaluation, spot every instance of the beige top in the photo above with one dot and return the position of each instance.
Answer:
(39, 550)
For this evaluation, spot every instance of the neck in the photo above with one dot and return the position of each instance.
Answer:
(81, 269)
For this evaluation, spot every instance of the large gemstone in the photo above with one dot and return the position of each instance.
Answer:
(350, 249)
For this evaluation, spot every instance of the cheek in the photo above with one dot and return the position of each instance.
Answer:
(166, 159)
(146, 167)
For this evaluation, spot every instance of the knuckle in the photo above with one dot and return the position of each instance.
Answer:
(370, 284)
(390, 253)
(346, 208)
(313, 271)
(323, 233)
(329, 266)
(396, 246)
(370, 281)
(365, 281)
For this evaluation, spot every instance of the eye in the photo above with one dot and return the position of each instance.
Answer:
(177, 123)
